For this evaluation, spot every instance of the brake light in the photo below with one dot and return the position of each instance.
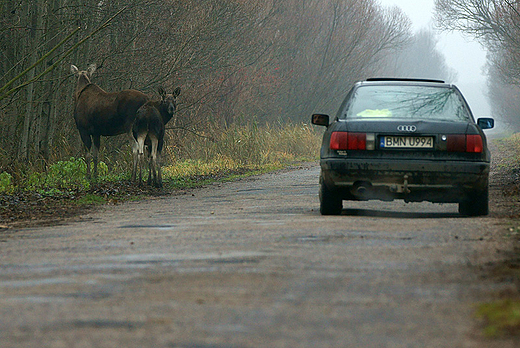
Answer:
(474, 143)
(357, 141)
(338, 140)
(464, 143)
(348, 141)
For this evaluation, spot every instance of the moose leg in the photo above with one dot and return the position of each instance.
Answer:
(87, 144)
(149, 162)
(159, 175)
(95, 153)
(135, 155)
(159, 152)
(140, 155)
(153, 160)
(141, 165)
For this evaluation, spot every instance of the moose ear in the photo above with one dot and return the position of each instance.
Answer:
(91, 69)
(161, 91)
(74, 69)
(176, 92)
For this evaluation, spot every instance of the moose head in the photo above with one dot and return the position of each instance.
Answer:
(169, 101)
(84, 76)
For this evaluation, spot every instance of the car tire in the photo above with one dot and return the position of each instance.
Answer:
(475, 204)
(330, 202)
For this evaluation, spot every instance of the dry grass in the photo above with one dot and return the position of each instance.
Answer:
(244, 147)
(216, 153)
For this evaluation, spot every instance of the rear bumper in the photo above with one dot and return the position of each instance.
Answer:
(435, 181)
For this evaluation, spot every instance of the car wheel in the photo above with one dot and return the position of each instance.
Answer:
(330, 202)
(475, 204)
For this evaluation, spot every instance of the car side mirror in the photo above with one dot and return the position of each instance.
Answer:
(320, 120)
(486, 123)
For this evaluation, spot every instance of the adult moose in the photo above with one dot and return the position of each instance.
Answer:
(99, 113)
(148, 130)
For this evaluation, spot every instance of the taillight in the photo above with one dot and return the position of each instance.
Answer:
(464, 143)
(474, 143)
(348, 141)
(357, 141)
(338, 140)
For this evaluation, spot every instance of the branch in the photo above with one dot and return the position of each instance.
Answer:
(50, 68)
(192, 132)
(23, 73)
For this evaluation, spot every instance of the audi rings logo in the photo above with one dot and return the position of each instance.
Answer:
(407, 128)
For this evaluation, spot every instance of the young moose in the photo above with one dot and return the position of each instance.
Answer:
(98, 113)
(148, 130)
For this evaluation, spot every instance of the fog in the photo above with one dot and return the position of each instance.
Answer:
(465, 56)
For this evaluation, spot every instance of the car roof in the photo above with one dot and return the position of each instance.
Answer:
(394, 81)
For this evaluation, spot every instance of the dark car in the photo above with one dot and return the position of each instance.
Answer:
(407, 139)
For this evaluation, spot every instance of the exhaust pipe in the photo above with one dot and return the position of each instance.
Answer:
(361, 188)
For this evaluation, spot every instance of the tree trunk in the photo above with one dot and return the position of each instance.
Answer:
(36, 12)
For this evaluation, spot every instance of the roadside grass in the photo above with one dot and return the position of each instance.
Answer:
(190, 173)
(91, 199)
(241, 151)
(219, 155)
(501, 317)
(511, 146)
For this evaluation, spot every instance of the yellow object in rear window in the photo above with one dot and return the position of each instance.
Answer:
(375, 113)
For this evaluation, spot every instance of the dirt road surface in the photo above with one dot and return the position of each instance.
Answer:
(250, 264)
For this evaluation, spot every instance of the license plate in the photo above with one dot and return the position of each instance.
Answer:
(406, 142)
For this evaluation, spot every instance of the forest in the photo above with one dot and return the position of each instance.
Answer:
(261, 62)
(496, 25)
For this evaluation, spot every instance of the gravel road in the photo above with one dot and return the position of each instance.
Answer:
(250, 264)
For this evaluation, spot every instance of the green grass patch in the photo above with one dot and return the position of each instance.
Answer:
(62, 175)
(91, 199)
(6, 183)
(502, 318)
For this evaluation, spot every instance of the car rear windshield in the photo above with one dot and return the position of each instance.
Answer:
(409, 102)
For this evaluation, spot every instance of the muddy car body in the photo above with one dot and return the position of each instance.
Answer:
(415, 140)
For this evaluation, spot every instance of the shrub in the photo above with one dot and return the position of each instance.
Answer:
(68, 175)
(6, 183)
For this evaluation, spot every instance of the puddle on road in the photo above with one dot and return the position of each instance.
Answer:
(268, 223)
(367, 238)
(36, 299)
(236, 261)
(62, 296)
(35, 282)
(158, 227)
(175, 258)
(102, 324)
(251, 191)
(323, 238)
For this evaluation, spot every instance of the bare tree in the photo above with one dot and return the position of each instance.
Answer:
(504, 97)
(495, 23)
(267, 60)
(420, 58)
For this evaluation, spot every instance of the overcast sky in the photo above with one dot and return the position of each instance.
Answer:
(466, 57)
